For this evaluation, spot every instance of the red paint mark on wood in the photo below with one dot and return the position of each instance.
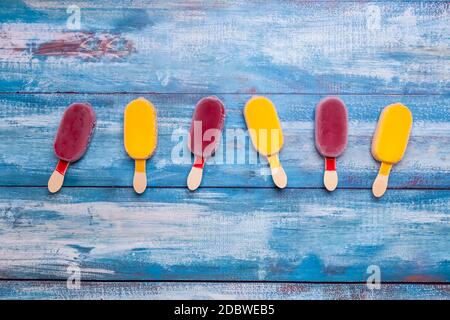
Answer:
(292, 288)
(86, 45)
(251, 90)
(416, 181)
(356, 292)
(423, 278)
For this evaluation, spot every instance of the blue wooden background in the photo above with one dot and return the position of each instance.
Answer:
(237, 236)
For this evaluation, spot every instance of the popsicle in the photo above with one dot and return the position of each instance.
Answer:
(389, 142)
(331, 136)
(204, 136)
(265, 132)
(140, 137)
(72, 140)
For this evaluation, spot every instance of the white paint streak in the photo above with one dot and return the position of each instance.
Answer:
(111, 230)
(50, 234)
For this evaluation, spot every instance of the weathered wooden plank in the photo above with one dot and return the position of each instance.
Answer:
(216, 291)
(223, 46)
(225, 234)
(28, 124)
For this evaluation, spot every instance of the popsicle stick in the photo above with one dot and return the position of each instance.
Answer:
(278, 175)
(380, 184)
(57, 178)
(140, 176)
(330, 177)
(195, 176)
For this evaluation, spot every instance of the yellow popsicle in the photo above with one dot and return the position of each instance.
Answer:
(390, 141)
(140, 137)
(265, 132)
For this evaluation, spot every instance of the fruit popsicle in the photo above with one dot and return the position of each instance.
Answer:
(331, 126)
(140, 137)
(72, 140)
(265, 132)
(204, 136)
(389, 142)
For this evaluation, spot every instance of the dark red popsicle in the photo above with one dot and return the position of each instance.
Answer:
(205, 134)
(331, 135)
(209, 114)
(72, 140)
(74, 132)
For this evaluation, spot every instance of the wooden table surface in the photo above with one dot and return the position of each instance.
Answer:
(237, 236)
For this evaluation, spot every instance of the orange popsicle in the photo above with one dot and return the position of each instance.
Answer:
(265, 132)
(140, 137)
(390, 142)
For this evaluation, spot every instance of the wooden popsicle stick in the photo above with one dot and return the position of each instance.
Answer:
(140, 176)
(330, 177)
(195, 176)
(278, 175)
(57, 178)
(381, 182)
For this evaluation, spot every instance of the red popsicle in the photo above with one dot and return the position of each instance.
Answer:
(204, 136)
(331, 136)
(72, 140)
